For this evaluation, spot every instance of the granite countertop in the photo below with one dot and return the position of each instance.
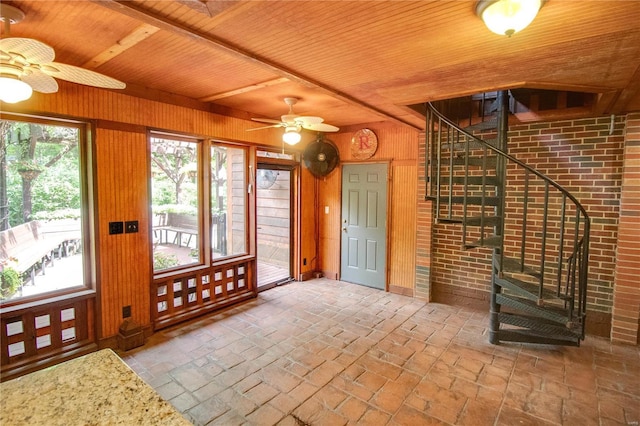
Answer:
(95, 389)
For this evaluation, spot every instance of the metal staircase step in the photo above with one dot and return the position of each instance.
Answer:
(483, 125)
(528, 336)
(471, 180)
(511, 265)
(473, 145)
(488, 220)
(491, 161)
(539, 325)
(491, 242)
(474, 200)
(449, 219)
(528, 290)
(557, 315)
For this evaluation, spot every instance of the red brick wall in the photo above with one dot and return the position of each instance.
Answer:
(584, 157)
(626, 299)
(423, 230)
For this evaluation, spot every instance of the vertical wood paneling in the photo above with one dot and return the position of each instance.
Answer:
(329, 196)
(402, 241)
(122, 192)
(308, 229)
(400, 145)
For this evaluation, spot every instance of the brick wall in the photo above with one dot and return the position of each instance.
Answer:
(625, 325)
(584, 157)
(423, 230)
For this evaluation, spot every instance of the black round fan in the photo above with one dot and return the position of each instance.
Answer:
(321, 157)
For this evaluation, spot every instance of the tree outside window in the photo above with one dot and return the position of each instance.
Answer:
(40, 208)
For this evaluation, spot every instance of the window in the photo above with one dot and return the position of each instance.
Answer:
(190, 202)
(228, 201)
(42, 190)
(176, 202)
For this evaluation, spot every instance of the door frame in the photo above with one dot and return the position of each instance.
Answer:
(294, 168)
(387, 220)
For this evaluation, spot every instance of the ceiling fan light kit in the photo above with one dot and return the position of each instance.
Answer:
(13, 90)
(507, 17)
(293, 124)
(291, 135)
(26, 65)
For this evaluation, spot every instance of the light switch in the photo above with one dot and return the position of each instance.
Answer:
(326, 209)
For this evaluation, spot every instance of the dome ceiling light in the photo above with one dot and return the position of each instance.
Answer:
(507, 17)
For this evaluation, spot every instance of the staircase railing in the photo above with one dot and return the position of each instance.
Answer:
(539, 231)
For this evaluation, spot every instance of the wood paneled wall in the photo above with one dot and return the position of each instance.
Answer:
(121, 181)
(122, 190)
(122, 193)
(308, 217)
(399, 146)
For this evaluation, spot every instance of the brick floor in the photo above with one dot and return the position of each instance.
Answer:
(325, 352)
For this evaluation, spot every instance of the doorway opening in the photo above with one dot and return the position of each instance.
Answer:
(274, 202)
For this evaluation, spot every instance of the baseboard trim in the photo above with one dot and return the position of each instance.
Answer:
(404, 291)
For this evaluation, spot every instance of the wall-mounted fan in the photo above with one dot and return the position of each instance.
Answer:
(321, 157)
(27, 64)
(293, 124)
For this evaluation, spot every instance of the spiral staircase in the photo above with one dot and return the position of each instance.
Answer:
(537, 230)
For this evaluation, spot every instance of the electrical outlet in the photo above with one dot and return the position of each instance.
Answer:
(116, 228)
(131, 226)
(126, 311)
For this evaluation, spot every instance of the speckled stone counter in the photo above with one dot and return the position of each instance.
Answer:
(96, 389)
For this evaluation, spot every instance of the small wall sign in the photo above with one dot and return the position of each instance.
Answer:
(364, 144)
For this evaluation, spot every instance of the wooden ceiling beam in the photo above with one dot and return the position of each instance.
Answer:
(245, 89)
(143, 32)
(134, 11)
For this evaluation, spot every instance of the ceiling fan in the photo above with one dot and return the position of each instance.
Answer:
(293, 124)
(27, 64)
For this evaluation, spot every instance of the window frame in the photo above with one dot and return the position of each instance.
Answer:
(248, 202)
(205, 246)
(203, 239)
(86, 158)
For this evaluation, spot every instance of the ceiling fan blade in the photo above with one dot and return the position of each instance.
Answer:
(33, 51)
(40, 82)
(289, 118)
(264, 127)
(309, 120)
(321, 127)
(81, 76)
(267, 120)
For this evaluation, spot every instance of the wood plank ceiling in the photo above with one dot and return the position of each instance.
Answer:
(351, 62)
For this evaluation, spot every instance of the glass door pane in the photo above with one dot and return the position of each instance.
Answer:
(273, 191)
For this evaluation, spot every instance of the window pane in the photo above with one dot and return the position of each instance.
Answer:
(228, 201)
(174, 188)
(40, 209)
